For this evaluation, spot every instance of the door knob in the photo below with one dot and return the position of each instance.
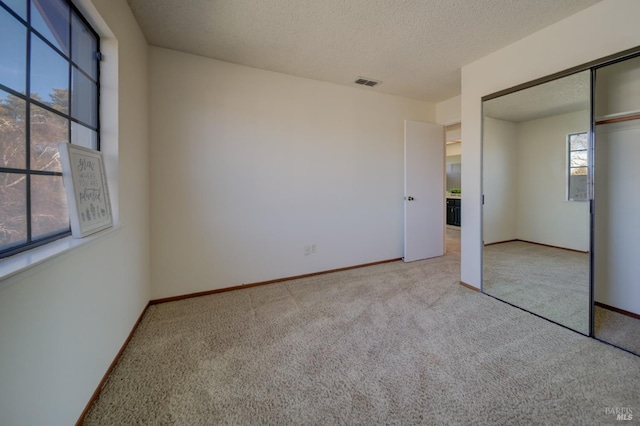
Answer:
(409, 198)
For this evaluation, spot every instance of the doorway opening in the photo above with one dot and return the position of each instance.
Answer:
(453, 194)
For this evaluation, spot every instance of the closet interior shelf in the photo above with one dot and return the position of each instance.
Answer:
(618, 117)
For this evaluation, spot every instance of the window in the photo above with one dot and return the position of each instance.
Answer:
(49, 85)
(578, 166)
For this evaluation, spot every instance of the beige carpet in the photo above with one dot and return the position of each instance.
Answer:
(554, 283)
(389, 344)
(620, 330)
(547, 281)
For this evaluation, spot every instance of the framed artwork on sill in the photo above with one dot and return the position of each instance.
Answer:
(85, 183)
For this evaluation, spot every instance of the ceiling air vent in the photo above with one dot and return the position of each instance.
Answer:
(365, 81)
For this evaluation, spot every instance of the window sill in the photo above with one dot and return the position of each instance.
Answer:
(12, 266)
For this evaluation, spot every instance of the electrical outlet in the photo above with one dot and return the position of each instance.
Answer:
(307, 250)
(314, 248)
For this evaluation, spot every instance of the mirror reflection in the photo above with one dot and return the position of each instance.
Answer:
(536, 212)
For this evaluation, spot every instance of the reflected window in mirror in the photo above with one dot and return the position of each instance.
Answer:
(577, 166)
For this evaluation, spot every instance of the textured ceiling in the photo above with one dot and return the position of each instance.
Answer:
(567, 94)
(415, 47)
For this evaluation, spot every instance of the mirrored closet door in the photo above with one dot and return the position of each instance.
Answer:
(617, 204)
(561, 198)
(536, 219)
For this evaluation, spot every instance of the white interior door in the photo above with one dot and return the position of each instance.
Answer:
(424, 185)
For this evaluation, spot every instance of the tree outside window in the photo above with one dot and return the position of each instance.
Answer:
(578, 166)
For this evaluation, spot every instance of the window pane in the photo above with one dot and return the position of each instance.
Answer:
(51, 19)
(18, 6)
(13, 51)
(12, 131)
(84, 47)
(49, 212)
(13, 209)
(579, 159)
(84, 99)
(47, 130)
(578, 187)
(83, 136)
(579, 171)
(579, 142)
(49, 76)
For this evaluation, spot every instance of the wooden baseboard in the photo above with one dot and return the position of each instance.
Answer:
(500, 242)
(538, 244)
(618, 310)
(96, 393)
(261, 283)
(469, 286)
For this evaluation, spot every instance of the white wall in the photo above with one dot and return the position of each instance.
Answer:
(448, 111)
(60, 330)
(448, 114)
(500, 180)
(524, 182)
(249, 166)
(543, 213)
(612, 27)
(618, 88)
(453, 132)
(453, 159)
(454, 150)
